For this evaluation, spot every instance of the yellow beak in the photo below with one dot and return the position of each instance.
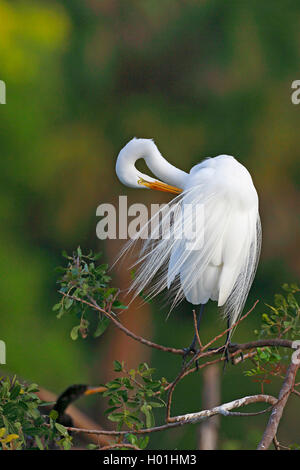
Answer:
(92, 390)
(159, 186)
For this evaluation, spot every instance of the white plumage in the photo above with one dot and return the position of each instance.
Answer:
(213, 247)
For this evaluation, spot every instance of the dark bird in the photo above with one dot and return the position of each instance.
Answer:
(68, 396)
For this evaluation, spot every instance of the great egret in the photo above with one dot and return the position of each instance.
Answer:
(219, 261)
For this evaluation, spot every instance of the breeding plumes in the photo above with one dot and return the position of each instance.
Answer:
(205, 243)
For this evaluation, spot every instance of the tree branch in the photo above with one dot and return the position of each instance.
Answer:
(273, 423)
(236, 347)
(119, 325)
(225, 409)
(191, 418)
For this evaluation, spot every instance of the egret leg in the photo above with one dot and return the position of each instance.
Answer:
(192, 346)
(227, 346)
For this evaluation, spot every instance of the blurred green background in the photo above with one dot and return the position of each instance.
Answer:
(201, 78)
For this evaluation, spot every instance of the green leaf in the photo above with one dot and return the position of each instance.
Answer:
(92, 446)
(61, 429)
(111, 409)
(119, 305)
(15, 392)
(118, 367)
(156, 404)
(123, 394)
(135, 420)
(102, 326)
(97, 256)
(60, 313)
(147, 372)
(74, 332)
(32, 388)
(143, 442)
(114, 384)
(280, 301)
(39, 443)
(127, 383)
(53, 414)
(68, 303)
(132, 439)
(116, 417)
(147, 410)
(292, 301)
(110, 292)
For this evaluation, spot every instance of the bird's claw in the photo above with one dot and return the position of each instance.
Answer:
(186, 353)
(228, 348)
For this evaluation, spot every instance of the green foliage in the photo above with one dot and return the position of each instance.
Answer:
(134, 395)
(283, 318)
(22, 426)
(84, 281)
(65, 441)
(281, 321)
(132, 399)
(264, 358)
(294, 447)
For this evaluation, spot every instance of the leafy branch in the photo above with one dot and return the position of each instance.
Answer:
(134, 395)
(22, 426)
(85, 287)
(81, 278)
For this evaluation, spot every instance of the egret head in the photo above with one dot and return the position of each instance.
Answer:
(129, 175)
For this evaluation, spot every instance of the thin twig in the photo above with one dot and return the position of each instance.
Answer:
(276, 443)
(196, 330)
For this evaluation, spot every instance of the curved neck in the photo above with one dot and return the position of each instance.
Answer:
(146, 149)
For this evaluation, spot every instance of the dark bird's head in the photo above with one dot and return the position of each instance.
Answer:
(68, 396)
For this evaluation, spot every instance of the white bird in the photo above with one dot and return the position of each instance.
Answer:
(212, 249)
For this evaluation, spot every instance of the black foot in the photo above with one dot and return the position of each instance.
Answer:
(228, 348)
(187, 352)
(192, 347)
